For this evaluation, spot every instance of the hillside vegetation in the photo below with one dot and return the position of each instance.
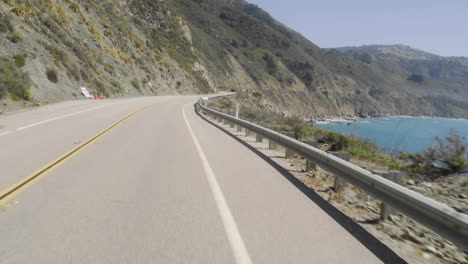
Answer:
(144, 47)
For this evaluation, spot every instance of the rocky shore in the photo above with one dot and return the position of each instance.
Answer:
(411, 240)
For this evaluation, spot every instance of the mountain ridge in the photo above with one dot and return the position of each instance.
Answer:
(144, 47)
(370, 47)
(417, 61)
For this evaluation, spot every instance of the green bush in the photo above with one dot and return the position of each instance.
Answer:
(20, 59)
(464, 182)
(444, 158)
(257, 95)
(56, 53)
(270, 61)
(296, 125)
(102, 88)
(13, 81)
(417, 78)
(136, 85)
(358, 148)
(260, 52)
(336, 141)
(15, 37)
(5, 24)
(52, 75)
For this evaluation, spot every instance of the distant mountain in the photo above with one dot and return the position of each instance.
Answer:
(401, 51)
(417, 61)
(51, 48)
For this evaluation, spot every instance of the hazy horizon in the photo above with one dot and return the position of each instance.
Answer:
(432, 26)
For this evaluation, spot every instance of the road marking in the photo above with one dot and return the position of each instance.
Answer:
(62, 116)
(230, 227)
(5, 206)
(5, 133)
(27, 182)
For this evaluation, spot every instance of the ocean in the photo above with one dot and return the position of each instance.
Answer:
(409, 134)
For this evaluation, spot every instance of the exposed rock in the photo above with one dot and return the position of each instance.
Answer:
(192, 47)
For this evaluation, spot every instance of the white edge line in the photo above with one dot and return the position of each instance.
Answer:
(63, 116)
(238, 247)
(5, 133)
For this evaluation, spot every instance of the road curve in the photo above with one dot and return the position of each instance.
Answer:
(162, 186)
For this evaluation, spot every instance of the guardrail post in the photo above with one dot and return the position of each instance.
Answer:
(271, 144)
(396, 177)
(220, 119)
(239, 128)
(310, 166)
(225, 122)
(339, 182)
(289, 154)
(248, 133)
(259, 138)
(232, 125)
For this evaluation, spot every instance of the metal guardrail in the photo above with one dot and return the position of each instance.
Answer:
(438, 217)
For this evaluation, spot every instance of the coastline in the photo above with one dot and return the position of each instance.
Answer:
(349, 119)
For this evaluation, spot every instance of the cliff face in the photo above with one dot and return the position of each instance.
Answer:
(132, 47)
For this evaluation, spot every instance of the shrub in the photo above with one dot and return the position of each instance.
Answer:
(15, 37)
(20, 59)
(52, 75)
(56, 53)
(260, 52)
(95, 32)
(22, 10)
(73, 70)
(13, 81)
(303, 132)
(5, 24)
(291, 121)
(417, 78)
(108, 68)
(102, 88)
(363, 56)
(257, 95)
(234, 43)
(136, 85)
(444, 158)
(271, 64)
(336, 141)
(453, 153)
(358, 148)
(296, 125)
(117, 88)
(464, 182)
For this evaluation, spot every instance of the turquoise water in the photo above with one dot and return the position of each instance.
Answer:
(409, 134)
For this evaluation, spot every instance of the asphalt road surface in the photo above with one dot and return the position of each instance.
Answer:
(159, 185)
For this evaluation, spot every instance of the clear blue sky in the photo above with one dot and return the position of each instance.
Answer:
(436, 26)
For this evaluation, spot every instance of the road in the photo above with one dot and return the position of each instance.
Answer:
(162, 186)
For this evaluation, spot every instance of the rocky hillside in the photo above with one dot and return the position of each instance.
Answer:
(51, 48)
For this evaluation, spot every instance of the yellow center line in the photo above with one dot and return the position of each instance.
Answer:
(28, 181)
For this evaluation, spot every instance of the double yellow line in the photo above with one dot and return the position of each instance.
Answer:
(25, 183)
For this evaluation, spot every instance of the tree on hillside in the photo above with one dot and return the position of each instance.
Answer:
(417, 78)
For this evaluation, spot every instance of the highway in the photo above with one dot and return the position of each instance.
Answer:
(147, 180)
